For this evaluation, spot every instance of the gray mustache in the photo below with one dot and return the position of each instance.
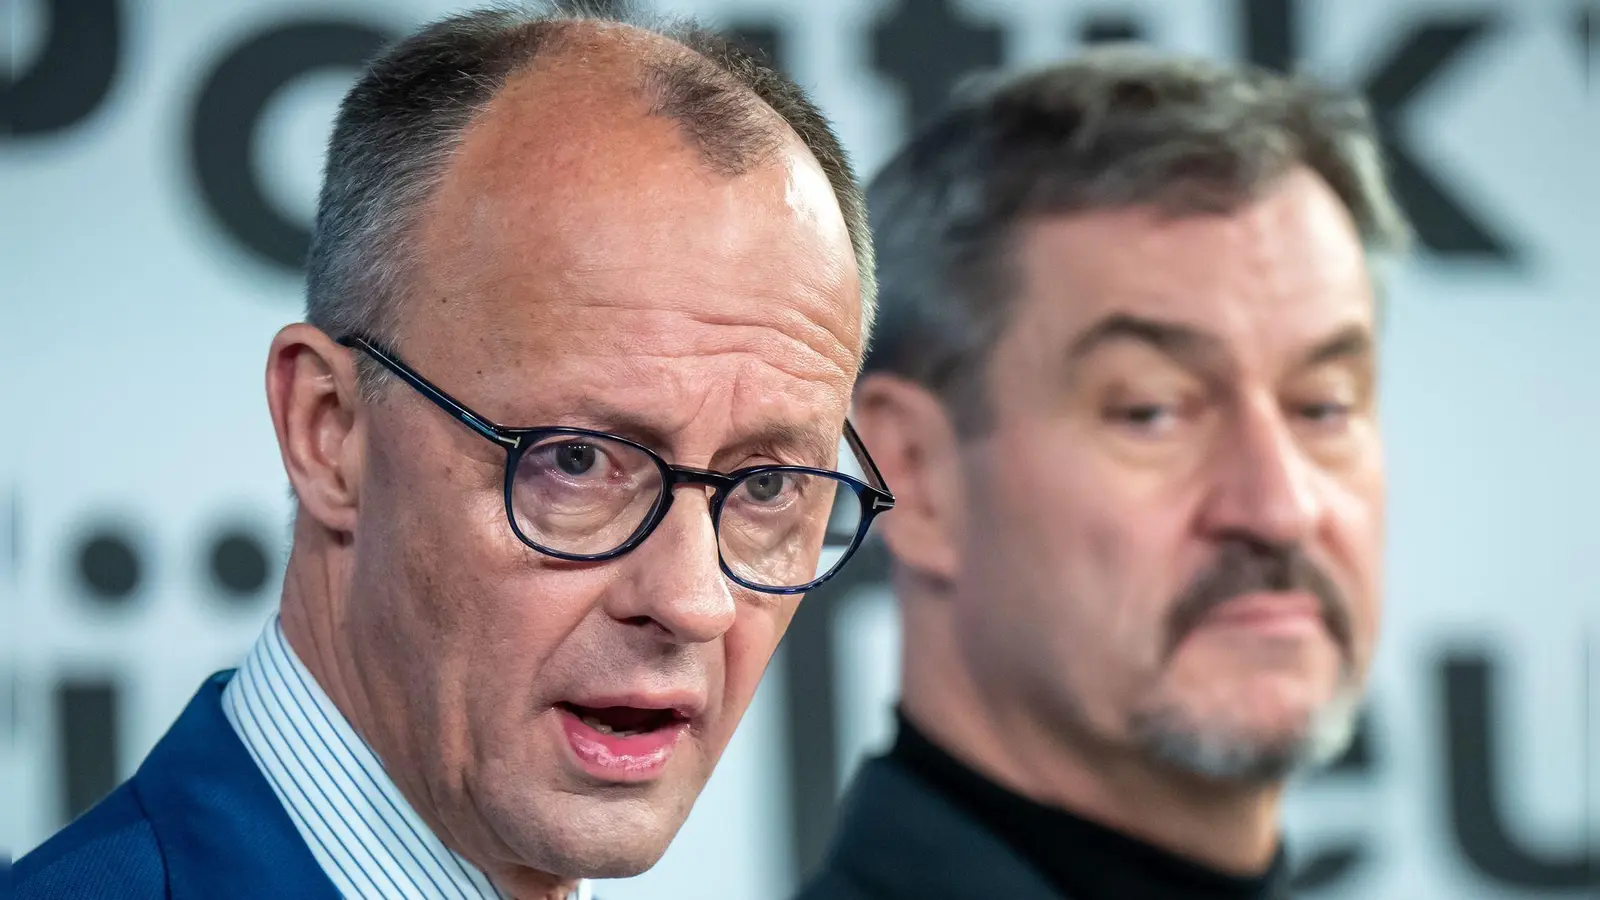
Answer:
(1246, 567)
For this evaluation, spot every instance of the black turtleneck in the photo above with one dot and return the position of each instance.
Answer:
(1083, 860)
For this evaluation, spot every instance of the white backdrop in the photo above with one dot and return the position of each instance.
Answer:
(145, 214)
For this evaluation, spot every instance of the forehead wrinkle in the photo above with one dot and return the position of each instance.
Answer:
(754, 295)
(1298, 242)
(794, 345)
(765, 341)
(532, 371)
(812, 444)
(635, 377)
(1294, 249)
(815, 439)
(662, 430)
(1247, 243)
(644, 311)
(1195, 349)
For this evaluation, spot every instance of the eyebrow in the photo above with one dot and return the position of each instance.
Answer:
(1185, 345)
(1351, 342)
(1193, 348)
(813, 447)
(812, 444)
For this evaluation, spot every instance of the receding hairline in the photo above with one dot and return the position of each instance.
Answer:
(645, 65)
(399, 127)
(622, 62)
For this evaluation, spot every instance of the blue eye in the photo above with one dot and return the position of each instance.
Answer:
(575, 459)
(765, 488)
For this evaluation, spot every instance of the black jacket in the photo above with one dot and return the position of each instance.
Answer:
(900, 840)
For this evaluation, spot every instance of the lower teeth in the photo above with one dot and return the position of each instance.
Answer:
(603, 728)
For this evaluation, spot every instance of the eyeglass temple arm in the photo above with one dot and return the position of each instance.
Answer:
(443, 400)
(860, 450)
(494, 433)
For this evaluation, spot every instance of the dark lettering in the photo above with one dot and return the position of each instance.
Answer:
(1110, 29)
(1583, 27)
(927, 47)
(809, 665)
(1473, 772)
(109, 567)
(87, 721)
(238, 563)
(73, 74)
(1271, 35)
(223, 127)
(1326, 866)
(764, 40)
(1444, 223)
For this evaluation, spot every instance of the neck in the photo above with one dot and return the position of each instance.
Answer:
(525, 884)
(312, 612)
(1232, 828)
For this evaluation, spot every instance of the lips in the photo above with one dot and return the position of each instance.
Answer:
(624, 721)
(625, 739)
(1272, 612)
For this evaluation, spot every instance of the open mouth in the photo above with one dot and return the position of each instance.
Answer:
(624, 721)
(622, 743)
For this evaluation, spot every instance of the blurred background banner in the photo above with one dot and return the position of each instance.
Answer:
(158, 168)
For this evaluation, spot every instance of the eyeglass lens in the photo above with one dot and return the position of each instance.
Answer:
(586, 495)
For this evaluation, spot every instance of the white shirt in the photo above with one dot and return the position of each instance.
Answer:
(363, 833)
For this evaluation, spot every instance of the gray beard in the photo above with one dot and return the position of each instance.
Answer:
(1216, 752)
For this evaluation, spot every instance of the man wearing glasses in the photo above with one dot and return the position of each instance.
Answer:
(1126, 391)
(586, 304)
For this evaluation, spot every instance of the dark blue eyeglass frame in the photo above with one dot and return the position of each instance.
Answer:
(874, 499)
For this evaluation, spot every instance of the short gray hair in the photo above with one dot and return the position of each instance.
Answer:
(399, 125)
(1119, 126)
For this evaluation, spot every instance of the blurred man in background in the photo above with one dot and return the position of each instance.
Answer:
(508, 658)
(1125, 389)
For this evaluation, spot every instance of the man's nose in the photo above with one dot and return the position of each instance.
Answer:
(675, 582)
(1264, 484)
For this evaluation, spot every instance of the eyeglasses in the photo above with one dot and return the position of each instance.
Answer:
(588, 496)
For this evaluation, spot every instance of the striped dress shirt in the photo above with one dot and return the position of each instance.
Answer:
(363, 833)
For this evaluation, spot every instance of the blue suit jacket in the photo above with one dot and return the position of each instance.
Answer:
(198, 820)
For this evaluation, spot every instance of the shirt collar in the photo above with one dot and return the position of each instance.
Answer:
(361, 830)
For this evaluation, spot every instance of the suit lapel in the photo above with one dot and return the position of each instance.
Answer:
(901, 840)
(222, 831)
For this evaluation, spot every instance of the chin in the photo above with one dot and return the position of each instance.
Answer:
(600, 857)
(1256, 740)
(590, 832)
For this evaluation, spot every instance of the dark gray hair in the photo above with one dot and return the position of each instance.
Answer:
(399, 125)
(1119, 126)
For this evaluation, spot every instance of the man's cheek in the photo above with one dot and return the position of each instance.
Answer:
(1109, 593)
(747, 651)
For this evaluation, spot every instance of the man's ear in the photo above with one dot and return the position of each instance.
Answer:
(913, 441)
(312, 393)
